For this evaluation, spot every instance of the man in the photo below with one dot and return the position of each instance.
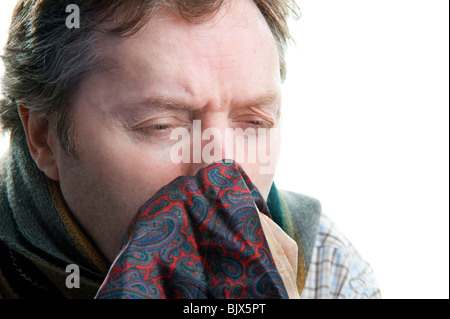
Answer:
(92, 108)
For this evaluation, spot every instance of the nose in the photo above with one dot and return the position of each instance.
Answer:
(209, 143)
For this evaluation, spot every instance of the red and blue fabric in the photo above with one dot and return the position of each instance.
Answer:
(198, 237)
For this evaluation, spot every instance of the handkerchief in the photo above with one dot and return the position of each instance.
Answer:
(198, 237)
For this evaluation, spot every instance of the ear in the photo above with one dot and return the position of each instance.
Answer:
(40, 141)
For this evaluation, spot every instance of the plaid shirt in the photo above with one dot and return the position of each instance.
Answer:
(337, 270)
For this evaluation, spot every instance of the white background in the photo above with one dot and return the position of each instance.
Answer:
(366, 131)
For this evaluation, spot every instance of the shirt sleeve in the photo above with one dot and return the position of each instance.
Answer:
(337, 270)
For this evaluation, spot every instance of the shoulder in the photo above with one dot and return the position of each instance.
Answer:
(337, 270)
(301, 203)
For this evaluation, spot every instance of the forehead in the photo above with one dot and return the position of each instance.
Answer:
(229, 54)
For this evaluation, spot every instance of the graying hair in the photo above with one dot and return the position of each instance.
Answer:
(45, 61)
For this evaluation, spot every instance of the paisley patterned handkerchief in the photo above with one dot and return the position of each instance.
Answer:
(198, 237)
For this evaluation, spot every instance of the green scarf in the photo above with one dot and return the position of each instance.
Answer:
(39, 237)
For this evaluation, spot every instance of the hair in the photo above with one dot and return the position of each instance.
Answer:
(45, 60)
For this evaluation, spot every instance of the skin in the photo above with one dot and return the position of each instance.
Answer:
(224, 72)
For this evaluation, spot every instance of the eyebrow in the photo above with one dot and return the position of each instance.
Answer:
(265, 99)
(160, 103)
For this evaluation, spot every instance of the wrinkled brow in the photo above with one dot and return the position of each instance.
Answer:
(161, 103)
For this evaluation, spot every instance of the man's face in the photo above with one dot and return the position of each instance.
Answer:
(223, 72)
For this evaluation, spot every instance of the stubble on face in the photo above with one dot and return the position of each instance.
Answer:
(167, 75)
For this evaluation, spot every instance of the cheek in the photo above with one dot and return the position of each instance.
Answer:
(130, 173)
(262, 181)
(114, 170)
(265, 155)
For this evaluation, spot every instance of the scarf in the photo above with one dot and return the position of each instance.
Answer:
(39, 237)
